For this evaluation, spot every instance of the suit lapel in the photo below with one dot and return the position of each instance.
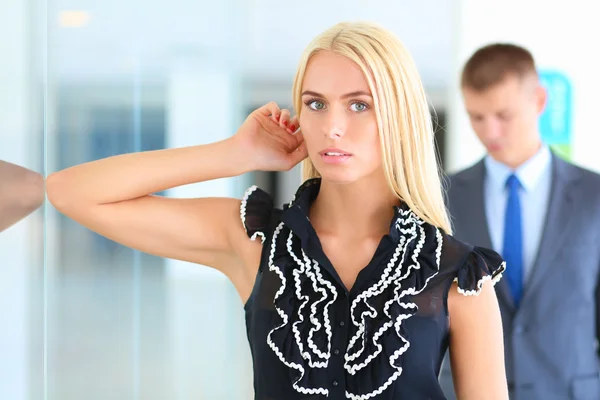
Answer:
(556, 224)
(476, 231)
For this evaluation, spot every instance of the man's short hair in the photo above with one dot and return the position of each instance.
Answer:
(491, 64)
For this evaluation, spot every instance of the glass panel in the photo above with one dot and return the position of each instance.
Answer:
(86, 317)
(122, 324)
(21, 198)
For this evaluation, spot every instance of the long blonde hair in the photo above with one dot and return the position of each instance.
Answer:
(403, 116)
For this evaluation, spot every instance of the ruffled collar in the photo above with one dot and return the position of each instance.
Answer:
(296, 213)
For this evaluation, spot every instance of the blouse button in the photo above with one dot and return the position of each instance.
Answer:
(334, 383)
(342, 323)
(336, 352)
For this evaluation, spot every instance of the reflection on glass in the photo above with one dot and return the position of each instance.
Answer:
(21, 193)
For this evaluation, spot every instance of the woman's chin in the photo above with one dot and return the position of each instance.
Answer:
(340, 177)
(347, 175)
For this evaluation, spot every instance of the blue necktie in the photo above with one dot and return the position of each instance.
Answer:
(513, 239)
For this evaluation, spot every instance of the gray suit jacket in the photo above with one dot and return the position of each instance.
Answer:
(551, 346)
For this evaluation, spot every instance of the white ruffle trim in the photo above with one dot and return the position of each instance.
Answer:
(313, 276)
(411, 228)
(493, 278)
(414, 231)
(247, 194)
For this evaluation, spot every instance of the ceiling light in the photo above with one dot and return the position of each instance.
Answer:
(73, 18)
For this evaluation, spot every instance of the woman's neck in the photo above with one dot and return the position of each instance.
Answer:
(361, 208)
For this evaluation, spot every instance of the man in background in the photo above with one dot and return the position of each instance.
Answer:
(542, 215)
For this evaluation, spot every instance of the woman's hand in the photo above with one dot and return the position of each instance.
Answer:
(271, 139)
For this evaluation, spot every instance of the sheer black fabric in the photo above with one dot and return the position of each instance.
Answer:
(311, 338)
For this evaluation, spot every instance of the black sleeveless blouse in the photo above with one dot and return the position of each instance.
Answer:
(311, 338)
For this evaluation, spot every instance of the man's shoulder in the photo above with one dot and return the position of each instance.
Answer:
(469, 174)
(579, 172)
(587, 174)
(586, 181)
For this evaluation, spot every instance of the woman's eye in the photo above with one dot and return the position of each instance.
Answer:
(358, 107)
(316, 105)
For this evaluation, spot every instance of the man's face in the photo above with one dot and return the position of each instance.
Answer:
(505, 118)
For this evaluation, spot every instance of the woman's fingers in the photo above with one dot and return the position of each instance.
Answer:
(299, 154)
(293, 125)
(298, 139)
(270, 110)
(284, 120)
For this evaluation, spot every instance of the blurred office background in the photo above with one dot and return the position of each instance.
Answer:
(84, 318)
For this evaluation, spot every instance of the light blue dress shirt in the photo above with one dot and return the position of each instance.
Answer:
(536, 178)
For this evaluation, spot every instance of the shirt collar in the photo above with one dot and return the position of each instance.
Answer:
(296, 213)
(529, 173)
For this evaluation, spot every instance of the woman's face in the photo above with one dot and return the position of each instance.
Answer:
(338, 119)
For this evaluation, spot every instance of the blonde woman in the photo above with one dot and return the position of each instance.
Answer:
(355, 288)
